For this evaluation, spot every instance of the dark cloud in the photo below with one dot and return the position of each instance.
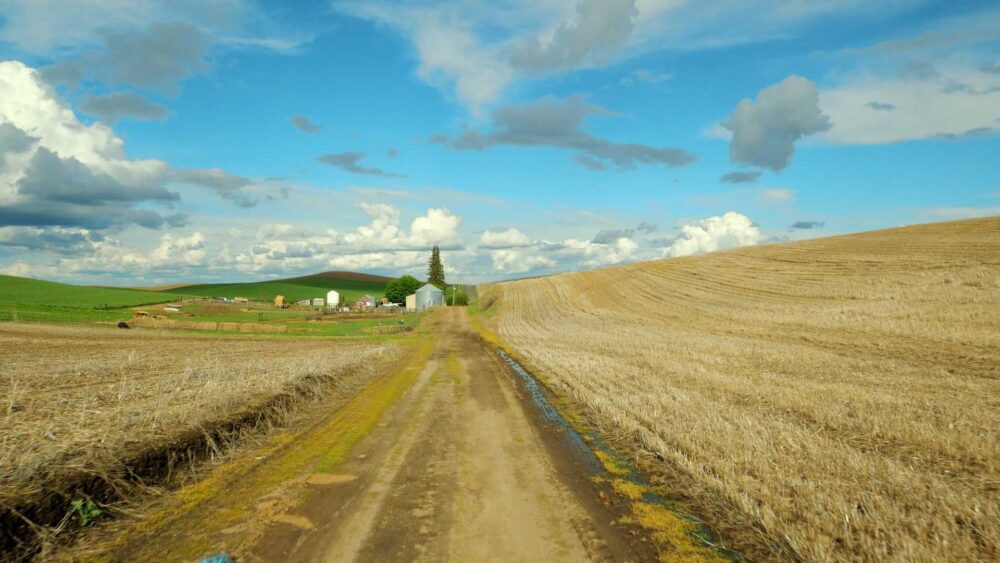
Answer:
(98, 216)
(608, 236)
(590, 162)
(62, 241)
(109, 108)
(302, 123)
(976, 133)
(157, 58)
(878, 106)
(765, 130)
(13, 140)
(65, 180)
(807, 225)
(646, 228)
(740, 177)
(227, 186)
(349, 161)
(954, 86)
(555, 122)
(69, 72)
(600, 29)
(57, 192)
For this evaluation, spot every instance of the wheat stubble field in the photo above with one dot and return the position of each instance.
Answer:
(835, 399)
(78, 401)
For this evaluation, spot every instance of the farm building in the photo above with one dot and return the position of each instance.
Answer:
(332, 299)
(279, 300)
(304, 303)
(427, 297)
(317, 302)
(365, 303)
(411, 303)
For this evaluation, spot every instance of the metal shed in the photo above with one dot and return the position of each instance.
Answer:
(429, 296)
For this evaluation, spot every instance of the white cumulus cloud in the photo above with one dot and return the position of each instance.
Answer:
(437, 227)
(509, 238)
(715, 233)
(518, 261)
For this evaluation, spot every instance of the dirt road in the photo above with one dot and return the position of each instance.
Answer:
(446, 460)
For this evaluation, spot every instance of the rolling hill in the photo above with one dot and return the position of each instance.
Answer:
(832, 399)
(350, 285)
(37, 300)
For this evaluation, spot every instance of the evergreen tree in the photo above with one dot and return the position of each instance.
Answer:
(435, 270)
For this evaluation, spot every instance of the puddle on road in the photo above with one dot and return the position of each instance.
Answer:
(539, 396)
(654, 510)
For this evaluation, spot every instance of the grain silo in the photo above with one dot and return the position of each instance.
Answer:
(429, 296)
(332, 299)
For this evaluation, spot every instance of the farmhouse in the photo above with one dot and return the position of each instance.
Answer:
(365, 303)
(427, 297)
(317, 302)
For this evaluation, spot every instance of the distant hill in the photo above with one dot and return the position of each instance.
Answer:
(346, 276)
(38, 300)
(350, 285)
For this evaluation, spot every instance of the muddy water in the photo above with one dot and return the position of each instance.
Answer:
(615, 467)
(540, 397)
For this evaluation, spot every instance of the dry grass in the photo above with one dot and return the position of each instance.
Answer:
(76, 401)
(841, 394)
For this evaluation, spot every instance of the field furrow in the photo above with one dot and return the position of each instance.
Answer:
(841, 395)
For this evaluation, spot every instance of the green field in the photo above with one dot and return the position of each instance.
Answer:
(25, 299)
(36, 300)
(293, 290)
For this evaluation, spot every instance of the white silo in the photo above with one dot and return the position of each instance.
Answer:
(332, 299)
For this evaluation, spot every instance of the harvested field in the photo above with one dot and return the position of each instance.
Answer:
(835, 399)
(75, 402)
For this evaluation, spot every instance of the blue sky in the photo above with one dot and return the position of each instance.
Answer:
(149, 141)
